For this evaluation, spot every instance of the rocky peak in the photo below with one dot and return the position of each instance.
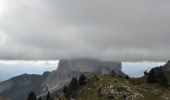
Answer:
(67, 69)
(88, 65)
(167, 66)
(55, 80)
(168, 63)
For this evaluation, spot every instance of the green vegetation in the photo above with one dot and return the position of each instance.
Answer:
(157, 75)
(71, 90)
(3, 99)
(31, 96)
(48, 97)
(113, 73)
(151, 86)
(120, 88)
(82, 80)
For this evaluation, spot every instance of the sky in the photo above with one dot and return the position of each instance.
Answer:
(9, 69)
(119, 30)
(136, 69)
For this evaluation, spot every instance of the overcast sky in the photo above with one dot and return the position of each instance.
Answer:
(10, 69)
(121, 30)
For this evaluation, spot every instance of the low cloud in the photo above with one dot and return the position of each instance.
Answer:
(134, 30)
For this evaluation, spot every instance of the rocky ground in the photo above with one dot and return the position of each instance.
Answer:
(116, 88)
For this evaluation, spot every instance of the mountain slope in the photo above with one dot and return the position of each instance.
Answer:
(16, 88)
(120, 88)
(107, 87)
(74, 68)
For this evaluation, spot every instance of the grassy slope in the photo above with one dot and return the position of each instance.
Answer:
(167, 73)
(135, 89)
(3, 99)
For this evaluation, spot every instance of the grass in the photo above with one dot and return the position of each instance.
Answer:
(134, 89)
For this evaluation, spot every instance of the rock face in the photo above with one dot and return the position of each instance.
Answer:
(167, 66)
(18, 87)
(88, 65)
(74, 68)
(55, 80)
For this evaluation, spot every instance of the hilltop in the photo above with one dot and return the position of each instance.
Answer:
(154, 85)
(55, 80)
(118, 88)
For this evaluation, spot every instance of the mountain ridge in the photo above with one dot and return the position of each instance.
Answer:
(55, 80)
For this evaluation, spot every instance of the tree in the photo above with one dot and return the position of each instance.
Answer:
(71, 90)
(65, 89)
(113, 73)
(68, 92)
(156, 75)
(74, 84)
(145, 73)
(161, 78)
(120, 76)
(127, 77)
(48, 97)
(31, 96)
(151, 77)
(82, 80)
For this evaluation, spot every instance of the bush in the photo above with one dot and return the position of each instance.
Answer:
(127, 77)
(110, 96)
(151, 77)
(71, 90)
(156, 75)
(82, 80)
(31, 96)
(48, 97)
(113, 73)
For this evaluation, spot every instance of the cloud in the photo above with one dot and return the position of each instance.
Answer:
(30, 62)
(133, 30)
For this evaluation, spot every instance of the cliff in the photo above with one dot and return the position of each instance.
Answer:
(55, 80)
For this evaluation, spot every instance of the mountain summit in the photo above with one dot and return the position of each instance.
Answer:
(55, 80)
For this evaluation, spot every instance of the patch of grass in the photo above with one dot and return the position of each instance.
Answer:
(137, 81)
(134, 89)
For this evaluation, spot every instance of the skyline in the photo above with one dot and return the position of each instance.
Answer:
(14, 68)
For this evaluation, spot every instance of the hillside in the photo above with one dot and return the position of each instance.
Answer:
(154, 85)
(18, 87)
(118, 88)
(55, 80)
(3, 99)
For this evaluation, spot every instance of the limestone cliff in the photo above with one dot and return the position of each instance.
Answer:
(55, 80)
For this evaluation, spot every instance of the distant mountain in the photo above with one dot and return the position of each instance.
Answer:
(18, 87)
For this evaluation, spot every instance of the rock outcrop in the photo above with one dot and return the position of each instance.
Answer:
(74, 68)
(18, 87)
(167, 66)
